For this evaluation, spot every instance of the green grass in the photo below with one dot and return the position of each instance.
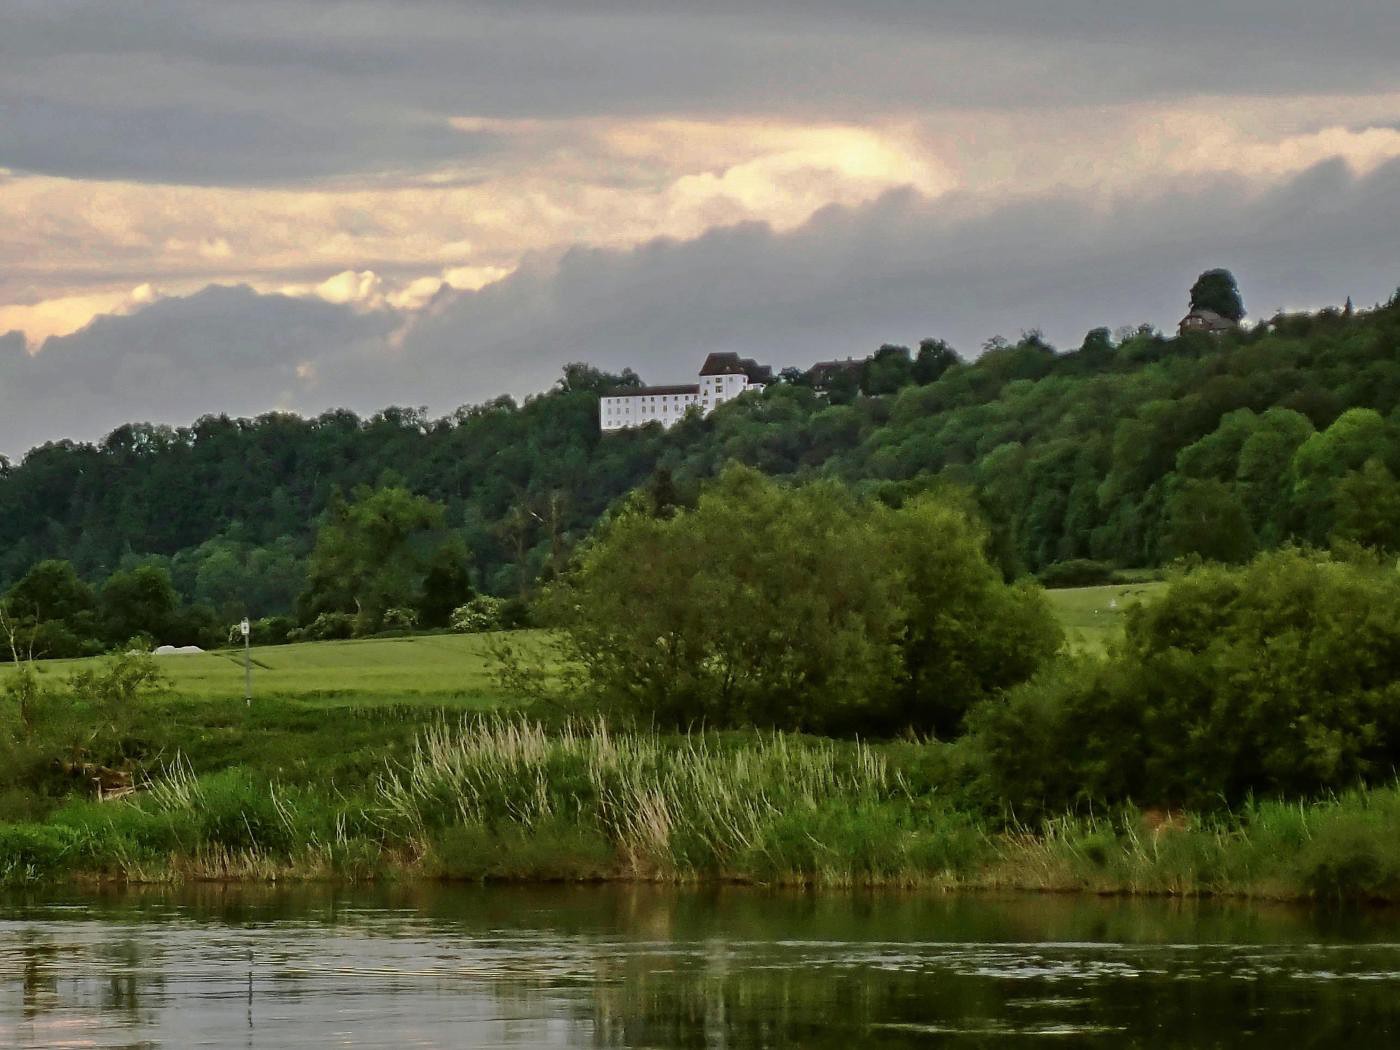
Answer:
(506, 798)
(1093, 616)
(455, 671)
(322, 712)
(448, 669)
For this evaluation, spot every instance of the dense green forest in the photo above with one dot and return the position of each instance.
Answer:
(1131, 450)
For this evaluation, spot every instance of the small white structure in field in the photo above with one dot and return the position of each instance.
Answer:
(722, 378)
(176, 650)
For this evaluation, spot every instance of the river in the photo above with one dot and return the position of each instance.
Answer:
(642, 966)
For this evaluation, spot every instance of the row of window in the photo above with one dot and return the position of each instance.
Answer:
(627, 409)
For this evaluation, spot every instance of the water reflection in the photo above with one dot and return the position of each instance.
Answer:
(234, 966)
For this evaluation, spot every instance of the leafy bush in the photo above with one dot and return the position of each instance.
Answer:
(328, 626)
(399, 619)
(482, 613)
(273, 630)
(1281, 678)
(115, 685)
(32, 852)
(798, 607)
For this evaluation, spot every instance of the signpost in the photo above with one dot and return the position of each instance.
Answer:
(247, 630)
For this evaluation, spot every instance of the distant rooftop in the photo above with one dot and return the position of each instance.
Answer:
(639, 391)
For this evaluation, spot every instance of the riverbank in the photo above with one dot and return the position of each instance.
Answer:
(508, 799)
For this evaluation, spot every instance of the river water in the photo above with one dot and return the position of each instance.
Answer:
(640, 966)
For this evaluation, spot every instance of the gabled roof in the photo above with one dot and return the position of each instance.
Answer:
(756, 372)
(1209, 319)
(828, 367)
(722, 364)
(726, 363)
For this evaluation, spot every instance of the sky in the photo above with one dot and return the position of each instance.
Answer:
(304, 204)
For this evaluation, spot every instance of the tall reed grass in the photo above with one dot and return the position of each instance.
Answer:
(507, 798)
(766, 806)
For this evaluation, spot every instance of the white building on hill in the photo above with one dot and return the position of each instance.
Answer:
(723, 377)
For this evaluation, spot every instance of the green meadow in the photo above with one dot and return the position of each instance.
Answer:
(453, 670)
(1093, 616)
(456, 670)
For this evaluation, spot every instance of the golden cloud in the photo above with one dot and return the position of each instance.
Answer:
(75, 248)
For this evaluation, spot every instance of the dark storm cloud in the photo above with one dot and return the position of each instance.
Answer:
(896, 270)
(905, 267)
(256, 91)
(224, 349)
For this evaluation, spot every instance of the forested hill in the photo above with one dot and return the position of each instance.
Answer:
(1131, 451)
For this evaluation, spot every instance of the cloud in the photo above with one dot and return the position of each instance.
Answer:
(293, 145)
(892, 270)
(270, 91)
(65, 314)
(906, 267)
(224, 349)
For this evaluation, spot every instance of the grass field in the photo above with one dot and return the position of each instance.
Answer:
(454, 670)
(1092, 616)
(443, 669)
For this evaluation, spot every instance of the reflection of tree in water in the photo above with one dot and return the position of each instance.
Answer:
(135, 974)
(716, 1004)
(40, 980)
(734, 970)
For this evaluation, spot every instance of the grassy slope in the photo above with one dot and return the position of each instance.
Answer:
(1093, 616)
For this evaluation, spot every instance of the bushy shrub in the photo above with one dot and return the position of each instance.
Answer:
(33, 852)
(399, 619)
(1281, 678)
(115, 686)
(328, 626)
(757, 606)
(798, 607)
(273, 630)
(482, 613)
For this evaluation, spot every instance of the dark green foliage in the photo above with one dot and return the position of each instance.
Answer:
(1207, 519)
(34, 852)
(1366, 507)
(272, 630)
(799, 607)
(327, 627)
(1071, 455)
(51, 590)
(386, 549)
(1076, 572)
(1216, 290)
(446, 586)
(138, 603)
(1281, 678)
(933, 359)
(887, 371)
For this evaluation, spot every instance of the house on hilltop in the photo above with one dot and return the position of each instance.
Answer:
(723, 377)
(824, 375)
(1208, 321)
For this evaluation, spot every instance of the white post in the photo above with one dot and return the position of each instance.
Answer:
(247, 630)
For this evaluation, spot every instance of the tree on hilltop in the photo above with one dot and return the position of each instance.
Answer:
(1216, 290)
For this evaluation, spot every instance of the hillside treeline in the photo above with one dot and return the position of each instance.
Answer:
(1129, 451)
